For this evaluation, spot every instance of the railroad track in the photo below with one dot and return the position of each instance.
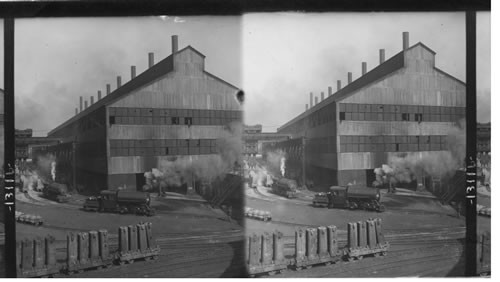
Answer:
(204, 261)
(413, 261)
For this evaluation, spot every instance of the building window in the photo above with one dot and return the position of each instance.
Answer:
(112, 120)
(418, 117)
(175, 120)
(188, 121)
(342, 116)
(405, 117)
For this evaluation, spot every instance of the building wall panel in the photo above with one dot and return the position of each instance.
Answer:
(165, 132)
(183, 92)
(140, 164)
(372, 160)
(326, 160)
(395, 128)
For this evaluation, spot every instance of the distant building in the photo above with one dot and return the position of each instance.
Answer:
(254, 138)
(27, 145)
(173, 111)
(404, 106)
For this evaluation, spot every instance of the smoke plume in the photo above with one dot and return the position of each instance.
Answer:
(437, 164)
(177, 171)
(276, 162)
(45, 166)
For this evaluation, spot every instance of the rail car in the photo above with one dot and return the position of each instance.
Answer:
(120, 201)
(57, 192)
(352, 197)
(285, 187)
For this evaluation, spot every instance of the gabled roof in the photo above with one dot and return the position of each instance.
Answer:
(158, 70)
(391, 65)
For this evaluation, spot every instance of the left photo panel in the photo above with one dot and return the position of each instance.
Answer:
(2, 143)
(128, 144)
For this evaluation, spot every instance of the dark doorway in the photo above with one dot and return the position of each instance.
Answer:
(140, 181)
(370, 177)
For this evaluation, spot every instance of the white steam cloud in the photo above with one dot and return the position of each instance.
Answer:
(437, 164)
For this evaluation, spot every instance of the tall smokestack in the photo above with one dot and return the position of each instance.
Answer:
(118, 82)
(91, 100)
(382, 55)
(132, 72)
(329, 91)
(151, 57)
(81, 103)
(175, 46)
(307, 107)
(99, 96)
(349, 77)
(406, 40)
(311, 99)
(316, 100)
(363, 68)
(76, 111)
(322, 96)
(86, 104)
(339, 85)
(108, 89)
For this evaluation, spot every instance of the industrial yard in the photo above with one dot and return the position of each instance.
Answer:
(195, 239)
(368, 180)
(426, 237)
(142, 180)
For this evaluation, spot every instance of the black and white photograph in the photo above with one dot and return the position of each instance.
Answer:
(267, 143)
(354, 144)
(128, 140)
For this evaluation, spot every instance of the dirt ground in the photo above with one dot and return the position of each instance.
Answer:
(196, 240)
(426, 237)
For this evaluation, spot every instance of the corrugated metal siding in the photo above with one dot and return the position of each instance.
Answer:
(326, 160)
(394, 128)
(177, 90)
(419, 83)
(136, 164)
(165, 132)
(372, 160)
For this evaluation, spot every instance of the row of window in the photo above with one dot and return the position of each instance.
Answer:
(193, 113)
(162, 151)
(418, 117)
(155, 143)
(374, 108)
(163, 147)
(130, 120)
(412, 139)
(377, 112)
(394, 147)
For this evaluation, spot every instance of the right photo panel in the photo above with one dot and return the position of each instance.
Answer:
(354, 144)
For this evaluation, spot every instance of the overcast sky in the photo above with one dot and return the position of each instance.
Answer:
(280, 56)
(288, 55)
(57, 60)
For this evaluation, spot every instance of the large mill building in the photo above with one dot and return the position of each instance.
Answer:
(175, 110)
(405, 105)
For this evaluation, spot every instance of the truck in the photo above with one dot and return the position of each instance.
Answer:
(57, 192)
(120, 201)
(351, 196)
(285, 187)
